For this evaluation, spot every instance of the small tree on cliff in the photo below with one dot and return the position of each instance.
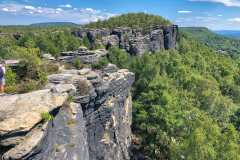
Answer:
(87, 43)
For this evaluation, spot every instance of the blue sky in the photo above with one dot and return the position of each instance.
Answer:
(213, 14)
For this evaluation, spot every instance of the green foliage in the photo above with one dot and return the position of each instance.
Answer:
(58, 149)
(87, 43)
(45, 116)
(67, 66)
(77, 63)
(213, 40)
(1, 119)
(134, 20)
(99, 36)
(187, 95)
(70, 98)
(102, 47)
(40, 125)
(103, 62)
(70, 123)
(10, 77)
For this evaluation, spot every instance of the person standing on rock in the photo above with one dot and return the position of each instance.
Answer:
(2, 79)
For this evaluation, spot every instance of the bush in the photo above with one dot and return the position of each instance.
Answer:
(11, 89)
(10, 77)
(1, 119)
(102, 47)
(70, 98)
(51, 69)
(103, 62)
(99, 36)
(71, 145)
(58, 149)
(26, 88)
(70, 123)
(77, 64)
(83, 87)
(45, 116)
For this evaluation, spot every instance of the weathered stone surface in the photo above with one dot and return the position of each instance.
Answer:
(14, 64)
(42, 143)
(21, 113)
(49, 56)
(85, 56)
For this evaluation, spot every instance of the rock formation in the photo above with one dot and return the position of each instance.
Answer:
(96, 125)
(132, 41)
(85, 56)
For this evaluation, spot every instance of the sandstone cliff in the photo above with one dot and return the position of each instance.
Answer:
(101, 118)
(133, 41)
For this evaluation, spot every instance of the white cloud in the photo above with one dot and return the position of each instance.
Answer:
(184, 11)
(45, 3)
(206, 20)
(110, 15)
(145, 11)
(75, 9)
(29, 7)
(101, 17)
(77, 16)
(5, 9)
(235, 19)
(188, 19)
(39, 7)
(219, 15)
(178, 21)
(90, 10)
(212, 24)
(209, 15)
(68, 6)
(226, 2)
(104, 9)
(27, 1)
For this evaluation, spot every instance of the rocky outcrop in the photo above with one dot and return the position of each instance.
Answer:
(107, 110)
(96, 125)
(133, 41)
(15, 35)
(20, 113)
(85, 56)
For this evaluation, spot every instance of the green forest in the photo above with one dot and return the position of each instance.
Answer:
(214, 40)
(185, 102)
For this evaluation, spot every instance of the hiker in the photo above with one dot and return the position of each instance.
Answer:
(2, 79)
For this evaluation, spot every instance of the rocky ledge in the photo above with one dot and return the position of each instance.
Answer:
(96, 125)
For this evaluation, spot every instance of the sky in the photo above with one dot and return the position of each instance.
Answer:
(213, 14)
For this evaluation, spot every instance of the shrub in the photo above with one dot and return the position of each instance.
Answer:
(1, 119)
(11, 89)
(126, 37)
(26, 88)
(83, 87)
(70, 98)
(45, 116)
(71, 144)
(70, 123)
(10, 77)
(65, 105)
(77, 64)
(99, 36)
(102, 47)
(103, 62)
(58, 149)
(52, 68)
(40, 125)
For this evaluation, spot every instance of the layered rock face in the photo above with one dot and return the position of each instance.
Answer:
(85, 56)
(96, 125)
(132, 41)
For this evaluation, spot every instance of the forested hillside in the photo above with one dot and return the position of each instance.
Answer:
(213, 40)
(185, 102)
